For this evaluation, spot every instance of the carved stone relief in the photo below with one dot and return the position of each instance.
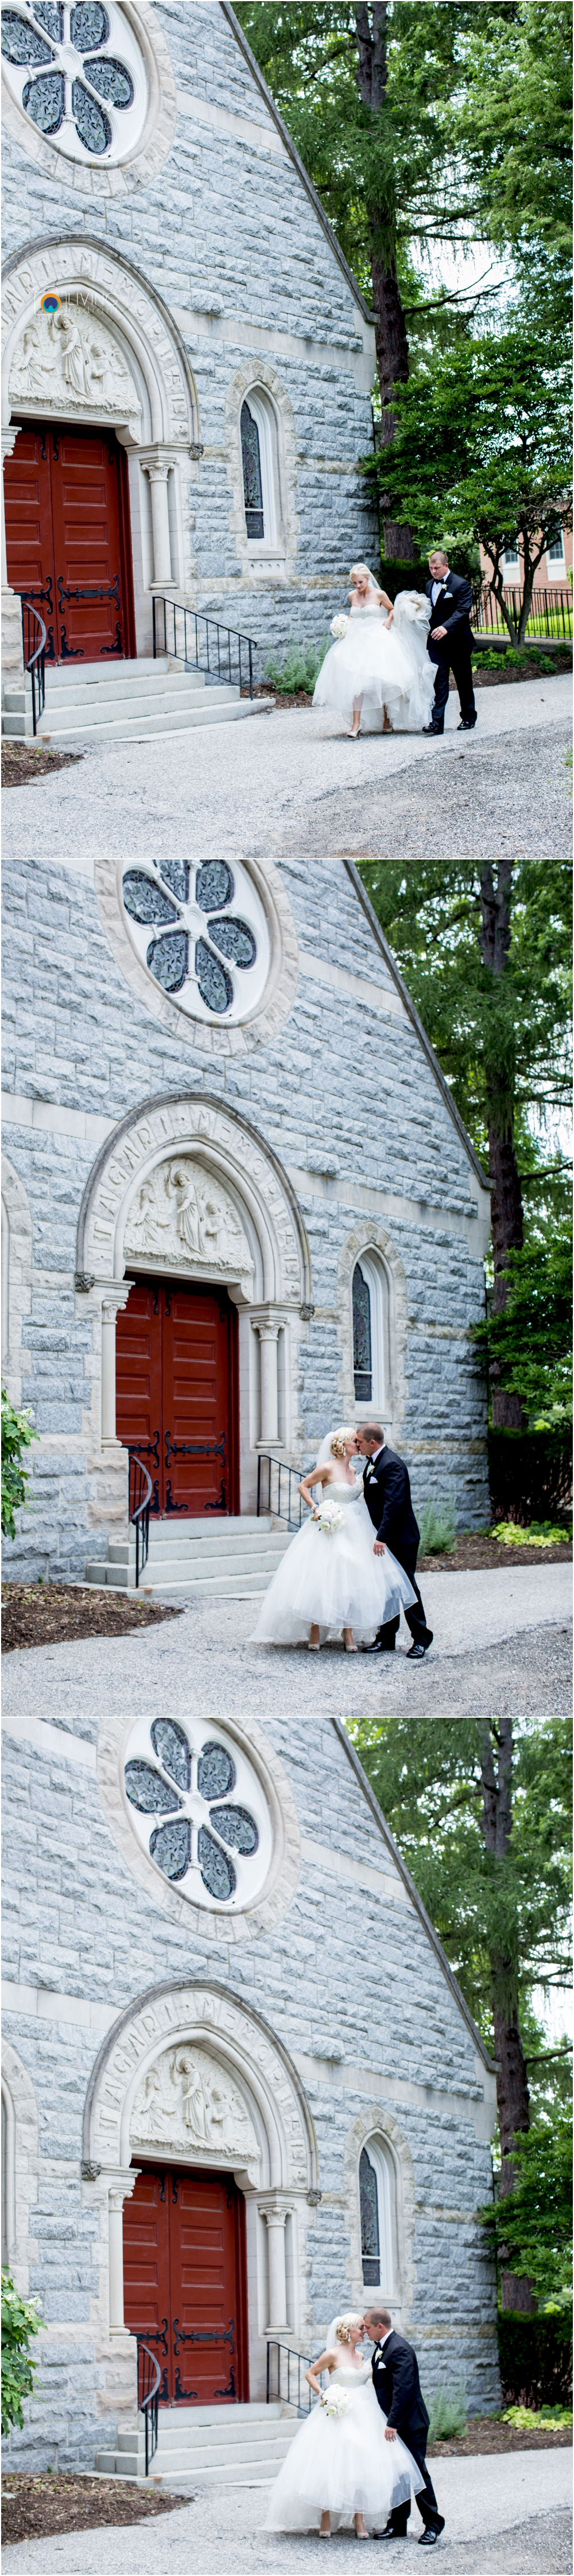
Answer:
(188, 2104)
(182, 1216)
(70, 362)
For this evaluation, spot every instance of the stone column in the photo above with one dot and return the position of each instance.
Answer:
(113, 1299)
(275, 2212)
(12, 655)
(122, 2187)
(157, 468)
(268, 1326)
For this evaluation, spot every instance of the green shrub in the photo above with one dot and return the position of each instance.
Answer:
(449, 2412)
(20, 2321)
(525, 2419)
(536, 2358)
(16, 1435)
(530, 1474)
(538, 1534)
(438, 1525)
(299, 670)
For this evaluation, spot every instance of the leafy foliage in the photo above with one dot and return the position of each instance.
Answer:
(20, 2321)
(300, 668)
(17, 1434)
(438, 1525)
(536, 2359)
(531, 1340)
(449, 2412)
(510, 127)
(534, 2223)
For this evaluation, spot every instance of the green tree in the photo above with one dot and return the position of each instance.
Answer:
(485, 950)
(533, 2228)
(20, 2321)
(482, 1815)
(17, 1434)
(529, 1343)
(482, 442)
(509, 126)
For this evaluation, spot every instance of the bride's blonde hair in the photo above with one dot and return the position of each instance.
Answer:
(344, 2325)
(340, 1440)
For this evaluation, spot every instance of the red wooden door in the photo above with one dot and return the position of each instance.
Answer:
(176, 1393)
(67, 538)
(185, 2282)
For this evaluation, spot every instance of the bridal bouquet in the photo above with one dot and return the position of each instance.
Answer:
(339, 628)
(336, 2401)
(329, 1517)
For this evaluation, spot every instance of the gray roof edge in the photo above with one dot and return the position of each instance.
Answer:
(416, 1900)
(303, 174)
(410, 1006)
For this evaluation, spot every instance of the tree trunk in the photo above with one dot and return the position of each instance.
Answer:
(506, 1196)
(390, 326)
(512, 2093)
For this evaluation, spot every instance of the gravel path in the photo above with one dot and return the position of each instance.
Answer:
(502, 1641)
(505, 2513)
(291, 782)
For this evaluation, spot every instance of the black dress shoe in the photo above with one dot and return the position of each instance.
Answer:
(419, 1650)
(380, 1646)
(433, 728)
(429, 2537)
(389, 2533)
(467, 724)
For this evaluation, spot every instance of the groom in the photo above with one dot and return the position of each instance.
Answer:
(388, 1498)
(398, 2389)
(449, 641)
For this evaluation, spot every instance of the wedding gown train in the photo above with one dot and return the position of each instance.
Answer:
(388, 666)
(333, 1581)
(341, 2463)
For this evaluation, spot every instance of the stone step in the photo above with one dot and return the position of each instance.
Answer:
(159, 682)
(218, 704)
(210, 1558)
(238, 1584)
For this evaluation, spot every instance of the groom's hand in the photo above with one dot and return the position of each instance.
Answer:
(390, 2435)
(438, 632)
(378, 1547)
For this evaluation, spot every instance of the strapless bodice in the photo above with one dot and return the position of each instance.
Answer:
(372, 608)
(342, 1493)
(351, 2378)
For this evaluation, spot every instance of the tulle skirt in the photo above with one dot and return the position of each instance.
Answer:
(341, 2465)
(333, 1582)
(386, 666)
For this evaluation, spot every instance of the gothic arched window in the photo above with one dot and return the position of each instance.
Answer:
(371, 1352)
(362, 1351)
(375, 2187)
(252, 483)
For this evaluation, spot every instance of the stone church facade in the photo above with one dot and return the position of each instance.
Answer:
(187, 360)
(239, 1203)
(278, 2119)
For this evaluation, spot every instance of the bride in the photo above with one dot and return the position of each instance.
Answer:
(329, 1578)
(339, 2467)
(373, 668)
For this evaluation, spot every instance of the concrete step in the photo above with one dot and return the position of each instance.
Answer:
(201, 1562)
(168, 1586)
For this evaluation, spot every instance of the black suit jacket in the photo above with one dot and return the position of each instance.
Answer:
(388, 1498)
(398, 2388)
(453, 610)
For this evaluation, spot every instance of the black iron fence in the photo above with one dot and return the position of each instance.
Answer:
(149, 2376)
(140, 1493)
(278, 1490)
(550, 612)
(286, 2378)
(34, 653)
(176, 629)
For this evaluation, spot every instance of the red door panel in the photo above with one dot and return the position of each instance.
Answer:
(176, 1394)
(67, 523)
(184, 2282)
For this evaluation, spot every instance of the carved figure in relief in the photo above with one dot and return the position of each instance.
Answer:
(67, 358)
(180, 1212)
(187, 2099)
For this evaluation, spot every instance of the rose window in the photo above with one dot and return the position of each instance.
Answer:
(78, 73)
(199, 1811)
(209, 944)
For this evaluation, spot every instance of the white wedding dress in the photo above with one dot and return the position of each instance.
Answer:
(388, 666)
(332, 1580)
(341, 2464)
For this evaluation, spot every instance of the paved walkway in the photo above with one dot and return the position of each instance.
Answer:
(506, 2513)
(502, 1641)
(291, 782)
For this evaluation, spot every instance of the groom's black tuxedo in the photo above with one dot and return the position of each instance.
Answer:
(388, 1498)
(398, 2389)
(453, 651)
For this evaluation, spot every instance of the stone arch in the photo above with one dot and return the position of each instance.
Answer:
(376, 2123)
(193, 2014)
(99, 281)
(369, 1237)
(263, 380)
(17, 1255)
(222, 1142)
(21, 2170)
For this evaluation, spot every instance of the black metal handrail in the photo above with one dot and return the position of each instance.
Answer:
(34, 657)
(549, 608)
(187, 649)
(148, 2396)
(140, 1494)
(296, 2362)
(294, 1513)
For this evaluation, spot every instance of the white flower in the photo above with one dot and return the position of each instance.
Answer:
(336, 2401)
(329, 1517)
(339, 627)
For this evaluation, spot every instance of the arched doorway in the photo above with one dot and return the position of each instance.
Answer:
(185, 2282)
(177, 1393)
(68, 543)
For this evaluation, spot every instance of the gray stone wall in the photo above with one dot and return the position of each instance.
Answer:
(345, 1097)
(370, 1977)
